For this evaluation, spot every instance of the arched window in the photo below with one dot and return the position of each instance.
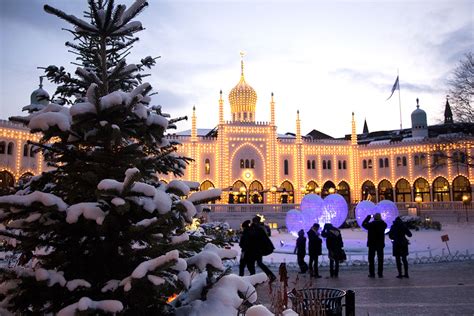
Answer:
(344, 190)
(311, 187)
(369, 164)
(417, 160)
(421, 187)
(313, 164)
(308, 164)
(6, 179)
(24, 178)
(256, 192)
(2, 147)
(324, 164)
(329, 164)
(239, 193)
(32, 151)
(328, 188)
(252, 164)
(25, 150)
(368, 191)
(344, 165)
(285, 167)
(404, 161)
(386, 162)
(381, 163)
(207, 166)
(441, 190)
(461, 186)
(247, 163)
(339, 164)
(402, 191)
(459, 157)
(385, 190)
(10, 149)
(206, 185)
(423, 160)
(287, 193)
(364, 164)
(242, 164)
(399, 161)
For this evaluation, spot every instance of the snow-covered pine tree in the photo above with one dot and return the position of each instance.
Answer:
(98, 233)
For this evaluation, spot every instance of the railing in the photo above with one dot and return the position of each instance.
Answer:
(283, 208)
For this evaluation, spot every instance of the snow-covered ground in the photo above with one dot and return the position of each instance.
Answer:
(423, 243)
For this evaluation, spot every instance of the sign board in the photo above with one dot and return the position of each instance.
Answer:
(445, 238)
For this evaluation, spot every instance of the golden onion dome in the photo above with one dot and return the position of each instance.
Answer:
(243, 99)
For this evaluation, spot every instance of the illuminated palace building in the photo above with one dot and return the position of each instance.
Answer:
(252, 163)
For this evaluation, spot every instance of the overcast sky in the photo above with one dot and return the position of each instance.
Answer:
(325, 58)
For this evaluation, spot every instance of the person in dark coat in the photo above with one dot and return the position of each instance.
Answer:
(258, 241)
(334, 245)
(375, 242)
(398, 233)
(245, 255)
(314, 250)
(300, 250)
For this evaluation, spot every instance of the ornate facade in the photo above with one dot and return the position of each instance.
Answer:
(255, 164)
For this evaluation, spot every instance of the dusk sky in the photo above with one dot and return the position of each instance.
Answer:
(325, 58)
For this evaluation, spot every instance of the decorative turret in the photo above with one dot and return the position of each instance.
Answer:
(448, 114)
(366, 128)
(419, 125)
(272, 111)
(38, 99)
(353, 131)
(243, 99)
(298, 128)
(193, 126)
(221, 108)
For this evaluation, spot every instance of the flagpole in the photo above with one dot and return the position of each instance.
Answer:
(399, 100)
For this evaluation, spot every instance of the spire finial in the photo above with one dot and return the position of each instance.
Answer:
(417, 103)
(194, 108)
(242, 54)
(41, 82)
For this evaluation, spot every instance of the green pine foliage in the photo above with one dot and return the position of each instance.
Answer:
(100, 211)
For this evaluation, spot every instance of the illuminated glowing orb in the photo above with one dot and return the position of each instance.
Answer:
(389, 212)
(334, 210)
(294, 221)
(363, 209)
(387, 209)
(311, 208)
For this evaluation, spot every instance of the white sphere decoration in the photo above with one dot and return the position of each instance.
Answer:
(294, 221)
(334, 211)
(311, 209)
(363, 209)
(388, 210)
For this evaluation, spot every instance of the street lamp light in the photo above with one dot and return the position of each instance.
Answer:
(332, 190)
(418, 200)
(465, 201)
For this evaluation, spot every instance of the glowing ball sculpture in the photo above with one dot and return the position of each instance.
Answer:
(389, 212)
(294, 221)
(311, 207)
(334, 210)
(387, 209)
(363, 209)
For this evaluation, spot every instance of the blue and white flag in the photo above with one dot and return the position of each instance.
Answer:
(396, 86)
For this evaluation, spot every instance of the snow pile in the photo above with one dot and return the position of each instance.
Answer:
(89, 210)
(51, 276)
(52, 115)
(85, 303)
(205, 196)
(211, 255)
(224, 298)
(74, 284)
(178, 187)
(46, 199)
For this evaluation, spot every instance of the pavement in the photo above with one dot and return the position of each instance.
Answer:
(432, 289)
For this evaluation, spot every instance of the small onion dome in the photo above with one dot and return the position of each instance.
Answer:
(242, 97)
(418, 117)
(40, 96)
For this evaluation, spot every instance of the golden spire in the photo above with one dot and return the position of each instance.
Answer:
(193, 126)
(353, 131)
(242, 54)
(272, 111)
(221, 108)
(298, 127)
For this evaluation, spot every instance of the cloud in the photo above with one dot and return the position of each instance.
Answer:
(455, 44)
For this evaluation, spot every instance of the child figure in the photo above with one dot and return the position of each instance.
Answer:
(300, 251)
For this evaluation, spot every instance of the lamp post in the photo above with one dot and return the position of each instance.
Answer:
(418, 200)
(465, 201)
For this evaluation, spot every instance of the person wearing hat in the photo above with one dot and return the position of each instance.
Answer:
(334, 245)
(375, 242)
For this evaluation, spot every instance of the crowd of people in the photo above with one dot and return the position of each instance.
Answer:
(255, 244)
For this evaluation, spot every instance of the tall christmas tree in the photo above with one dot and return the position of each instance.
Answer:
(98, 233)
